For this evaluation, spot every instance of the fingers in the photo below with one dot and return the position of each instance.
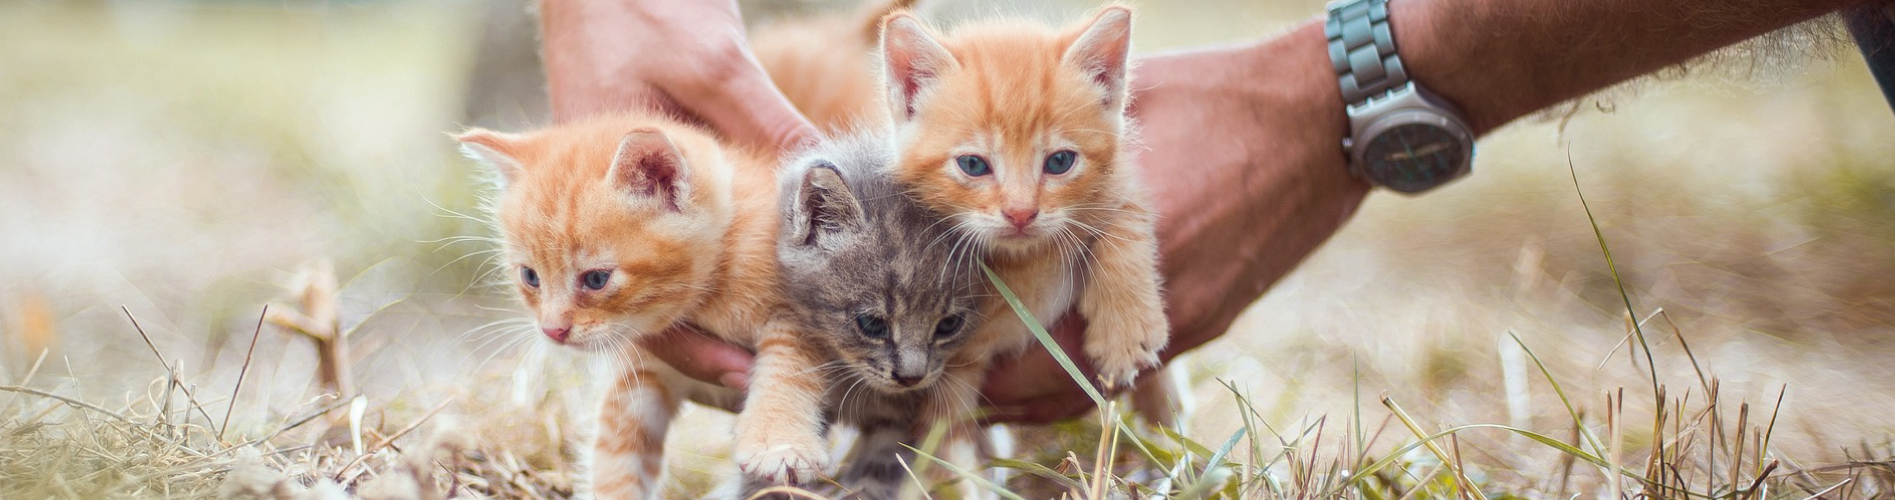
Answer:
(1033, 387)
(1046, 409)
(702, 357)
(749, 108)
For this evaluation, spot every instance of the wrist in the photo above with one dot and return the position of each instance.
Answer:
(1301, 83)
(1430, 56)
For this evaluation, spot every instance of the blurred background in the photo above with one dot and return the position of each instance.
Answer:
(186, 160)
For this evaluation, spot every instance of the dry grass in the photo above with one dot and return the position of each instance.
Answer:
(179, 164)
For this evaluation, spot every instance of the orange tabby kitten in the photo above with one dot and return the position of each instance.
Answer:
(620, 226)
(1018, 133)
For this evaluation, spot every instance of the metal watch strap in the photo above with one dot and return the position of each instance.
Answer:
(1363, 50)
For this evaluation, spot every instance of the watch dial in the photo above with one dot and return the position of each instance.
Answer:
(1414, 157)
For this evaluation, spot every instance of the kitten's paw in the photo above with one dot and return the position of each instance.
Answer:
(1120, 355)
(791, 463)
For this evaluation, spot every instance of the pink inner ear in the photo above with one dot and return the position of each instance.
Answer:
(497, 150)
(1102, 50)
(648, 165)
(910, 87)
(911, 57)
(661, 176)
(504, 144)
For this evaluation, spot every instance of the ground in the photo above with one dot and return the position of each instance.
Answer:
(186, 164)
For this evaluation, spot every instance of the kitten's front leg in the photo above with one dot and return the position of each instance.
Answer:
(628, 451)
(1126, 325)
(779, 432)
(953, 402)
(966, 443)
(874, 470)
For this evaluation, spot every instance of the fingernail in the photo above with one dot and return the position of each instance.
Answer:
(735, 380)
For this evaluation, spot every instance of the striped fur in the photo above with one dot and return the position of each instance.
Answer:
(1014, 95)
(685, 228)
(854, 246)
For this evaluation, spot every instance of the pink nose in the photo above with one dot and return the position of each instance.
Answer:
(1021, 217)
(557, 334)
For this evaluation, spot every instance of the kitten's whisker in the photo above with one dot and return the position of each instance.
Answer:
(1091, 260)
(959, 241)
(822, 368)
(1103, 233)
(638, 356)
(451, 214)
(506, 348)
(483, 265)
(842, 407)
(1102, 207)
(510, 335)
(483, 330)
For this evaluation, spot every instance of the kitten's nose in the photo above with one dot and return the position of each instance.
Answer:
(1021, 217)
(907, 381)
(557, 334)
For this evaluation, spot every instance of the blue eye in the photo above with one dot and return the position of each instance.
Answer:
(531, 278)
(1060, 162)
(872, 326)
(596, 279)
(974, 166)
(948, 326)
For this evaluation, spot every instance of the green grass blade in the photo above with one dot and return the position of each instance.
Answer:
(1144, 448)
(1612, 266)
(1355, 415)
(1039, 333)
(1203, 487)
(1063, 480)
(1550, 442)
(937, 434)
(1218, 458)
(1189, 445)
(970, 476)
(1577, 423)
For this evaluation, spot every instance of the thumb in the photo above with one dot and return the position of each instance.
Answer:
(1032, 386)
(750, 109)
(701, 356)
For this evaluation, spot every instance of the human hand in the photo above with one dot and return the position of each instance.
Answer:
(1243, 158)
(688, 59)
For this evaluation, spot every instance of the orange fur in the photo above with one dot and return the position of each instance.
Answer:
(686, 230)
(816, 63)
(825, 65)
(1012, 95)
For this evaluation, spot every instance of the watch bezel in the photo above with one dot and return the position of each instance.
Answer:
(1405, 106)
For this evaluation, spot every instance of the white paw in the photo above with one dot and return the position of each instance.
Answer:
(782, 463)
(1121, 355)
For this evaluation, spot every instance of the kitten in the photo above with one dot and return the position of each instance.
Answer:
(620, 226)
(876, 280)
(825, 66)
(1018, 133)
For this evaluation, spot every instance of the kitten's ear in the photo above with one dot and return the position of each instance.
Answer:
(1104, 50)
(497, 150)
(911, 61)
(649, 166)
(824, 204)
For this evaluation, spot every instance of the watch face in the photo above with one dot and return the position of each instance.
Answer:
(1414, 156)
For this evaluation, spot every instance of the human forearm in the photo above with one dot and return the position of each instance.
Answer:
(587, 67)
(1501, 59)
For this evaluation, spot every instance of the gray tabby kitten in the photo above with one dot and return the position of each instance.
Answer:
(875, 277)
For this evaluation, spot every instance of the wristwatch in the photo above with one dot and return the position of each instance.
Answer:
(1400, 136)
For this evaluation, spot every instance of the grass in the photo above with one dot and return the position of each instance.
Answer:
(178, 166)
